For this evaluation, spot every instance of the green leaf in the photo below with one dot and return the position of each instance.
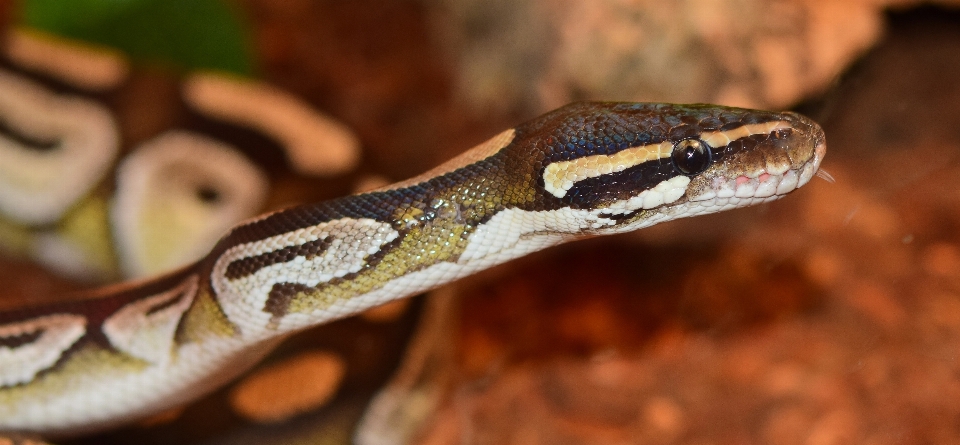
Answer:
(190, 34)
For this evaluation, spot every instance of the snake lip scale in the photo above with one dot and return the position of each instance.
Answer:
(586, 169)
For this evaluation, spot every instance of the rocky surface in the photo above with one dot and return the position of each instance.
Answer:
(540, 54)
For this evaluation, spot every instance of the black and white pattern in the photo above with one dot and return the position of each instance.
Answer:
(145, 328)
(30, 347)
(247, 277)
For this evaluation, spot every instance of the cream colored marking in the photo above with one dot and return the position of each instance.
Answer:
(789, 182)
(317, 144)
(37, 186)
(81, 64)
(665, 192)
(149, 336)
(559, 177)
(478, 153)
(806, 174)
(351, 241)
(161, 221)
(721, 138)
(73, 400)
(57, 333)
(418, 281)
(509, 233)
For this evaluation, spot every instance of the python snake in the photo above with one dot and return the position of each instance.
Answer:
(583, 170)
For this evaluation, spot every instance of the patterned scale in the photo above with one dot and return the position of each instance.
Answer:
(157, 344)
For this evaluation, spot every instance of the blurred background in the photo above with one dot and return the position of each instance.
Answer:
(133, 133)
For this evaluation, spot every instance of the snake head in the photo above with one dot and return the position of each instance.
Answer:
(632, 165)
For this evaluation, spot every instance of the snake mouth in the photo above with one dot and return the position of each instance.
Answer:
(765, 183)
(766, 174)
(777, 170)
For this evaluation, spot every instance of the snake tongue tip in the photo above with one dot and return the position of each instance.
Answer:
(823, 174)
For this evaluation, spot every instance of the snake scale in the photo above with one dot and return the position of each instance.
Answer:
(583, 170)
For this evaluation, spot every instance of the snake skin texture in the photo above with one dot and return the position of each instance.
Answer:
(583, 170)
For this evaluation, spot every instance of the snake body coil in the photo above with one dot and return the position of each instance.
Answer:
(583, 170)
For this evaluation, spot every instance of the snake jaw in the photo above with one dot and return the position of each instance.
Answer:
(762, 185)
(752, 164)
(775, 168)
(770, 170)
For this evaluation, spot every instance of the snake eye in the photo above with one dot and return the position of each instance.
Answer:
(691, 156)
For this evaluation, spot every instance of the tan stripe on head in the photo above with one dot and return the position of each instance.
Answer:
(559, 177)
(721, 138)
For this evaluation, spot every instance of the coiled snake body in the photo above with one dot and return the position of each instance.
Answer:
(583, 170)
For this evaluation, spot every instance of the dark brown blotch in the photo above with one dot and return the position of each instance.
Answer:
(16, 341)
(248, 266)
(280, 296)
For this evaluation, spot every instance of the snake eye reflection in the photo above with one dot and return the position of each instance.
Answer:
(691, 156)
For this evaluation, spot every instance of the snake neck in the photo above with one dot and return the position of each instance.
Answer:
(583, 170)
